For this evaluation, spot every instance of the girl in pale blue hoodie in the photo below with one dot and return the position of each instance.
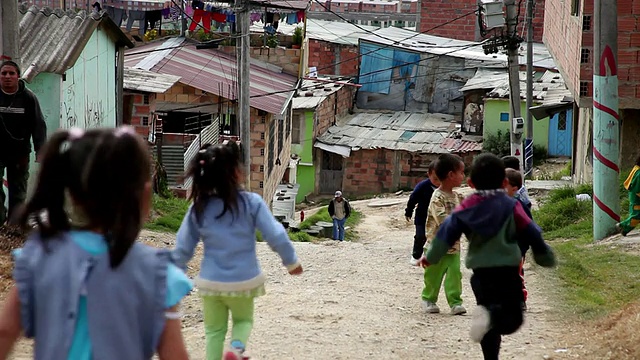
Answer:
(226, 218)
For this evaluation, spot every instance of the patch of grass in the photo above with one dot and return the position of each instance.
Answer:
(300, 236)
(323, 215)
(596, 278)
(167, 214)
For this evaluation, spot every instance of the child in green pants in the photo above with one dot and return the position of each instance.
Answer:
(450, 171)
(632, 184)
(226, 218)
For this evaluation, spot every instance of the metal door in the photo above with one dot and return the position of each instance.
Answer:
(331, 173)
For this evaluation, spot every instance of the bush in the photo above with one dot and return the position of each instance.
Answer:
(300, 236)
(498, 143)
(540, 154)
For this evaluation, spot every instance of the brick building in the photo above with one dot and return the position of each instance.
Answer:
(383, 13)
(381, 152)
(569, 37)
(204, 100)
(434, 13)
(319, 105)
(334, 58)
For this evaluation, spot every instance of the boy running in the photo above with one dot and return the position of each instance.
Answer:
(421, 196)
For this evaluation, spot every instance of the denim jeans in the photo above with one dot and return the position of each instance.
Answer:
(338, 229)
(17, 177)
(419, 240)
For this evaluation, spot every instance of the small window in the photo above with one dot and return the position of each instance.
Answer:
(145, 121)
(504, 116)
(584, 56)
(261, 184)
(562, 121)
(261, 168)
(261, 136)
(586, 23)
(575, 7)
(584, 88)
(145, 99)
(261, 152)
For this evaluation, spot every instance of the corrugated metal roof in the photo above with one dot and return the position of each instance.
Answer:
(336, 32)
(283, 4)
(413, 132)
(214, 72)
(147, 81)
(485, 79)
(469, 50)
(313, 92)
(541, 87)
(52, 40)
(460, 145)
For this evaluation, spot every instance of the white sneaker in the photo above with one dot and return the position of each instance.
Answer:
(480, 324)
(413, 261)
(458, 310)
(430, 307)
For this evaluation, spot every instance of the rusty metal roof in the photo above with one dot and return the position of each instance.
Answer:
(409, 131)
(147, 81)
(52, 40)
(214, 72)
(458, 146)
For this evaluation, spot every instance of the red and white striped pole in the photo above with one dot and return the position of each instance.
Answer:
(606, 120)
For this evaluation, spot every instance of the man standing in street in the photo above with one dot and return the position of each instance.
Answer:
(21, 120)
(339, 210)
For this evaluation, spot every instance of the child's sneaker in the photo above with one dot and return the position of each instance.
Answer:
(414, 261)
(458, 310)
(235, 354)
(480, 324)
(430, 307)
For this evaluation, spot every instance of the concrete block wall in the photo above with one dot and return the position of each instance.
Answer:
(262, 182)
(434, 13)
(334, 59)
(384, 170)
(142, 109)
(287, 59)
(182, 93)
(333, 107)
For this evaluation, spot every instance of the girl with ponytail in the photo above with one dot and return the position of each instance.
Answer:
(85, 289)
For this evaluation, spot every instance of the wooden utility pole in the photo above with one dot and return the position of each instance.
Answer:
(10, 31)
(606, 119)
(244, 109)
(517, 123)
(528, 150)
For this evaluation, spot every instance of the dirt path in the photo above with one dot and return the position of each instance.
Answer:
(361, 300)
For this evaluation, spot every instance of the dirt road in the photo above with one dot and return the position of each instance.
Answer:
(361, 300)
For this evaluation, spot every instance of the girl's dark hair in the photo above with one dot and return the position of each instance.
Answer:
(104, 171)
(215, 173)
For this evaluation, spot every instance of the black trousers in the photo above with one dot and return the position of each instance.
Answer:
(500, 291)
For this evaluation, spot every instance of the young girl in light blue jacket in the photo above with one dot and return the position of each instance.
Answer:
(226, 218)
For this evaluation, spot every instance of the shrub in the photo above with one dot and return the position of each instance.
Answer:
(498, 143)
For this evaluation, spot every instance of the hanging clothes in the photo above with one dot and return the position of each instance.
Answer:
(301, 16)
(197, 4)
(198, 16)
(292, 18)
(117, 15)
(166, 13)
(139, 16)
(153, 17)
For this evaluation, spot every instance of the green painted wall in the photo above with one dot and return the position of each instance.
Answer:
(492, 123)
(306, 171)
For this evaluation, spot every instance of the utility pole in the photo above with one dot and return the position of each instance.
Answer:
(517, 123)
(10, 31)
(528, 150)
(244, 110)
(606, 119)
(183, 20)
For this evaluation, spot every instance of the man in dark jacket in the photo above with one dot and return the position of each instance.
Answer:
(339, 210)
(20, 121)
(421, 196)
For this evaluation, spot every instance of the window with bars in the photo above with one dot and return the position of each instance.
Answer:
(575, 7)
(261, 168)
(145, 121)
(145, 99)
(261, 136)
(271, 147)
(586, 23)
(296, 131)
(562, 121)
(280, 135)
(261, 184)
(584, 88)
(288, 119)
(584, 56)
